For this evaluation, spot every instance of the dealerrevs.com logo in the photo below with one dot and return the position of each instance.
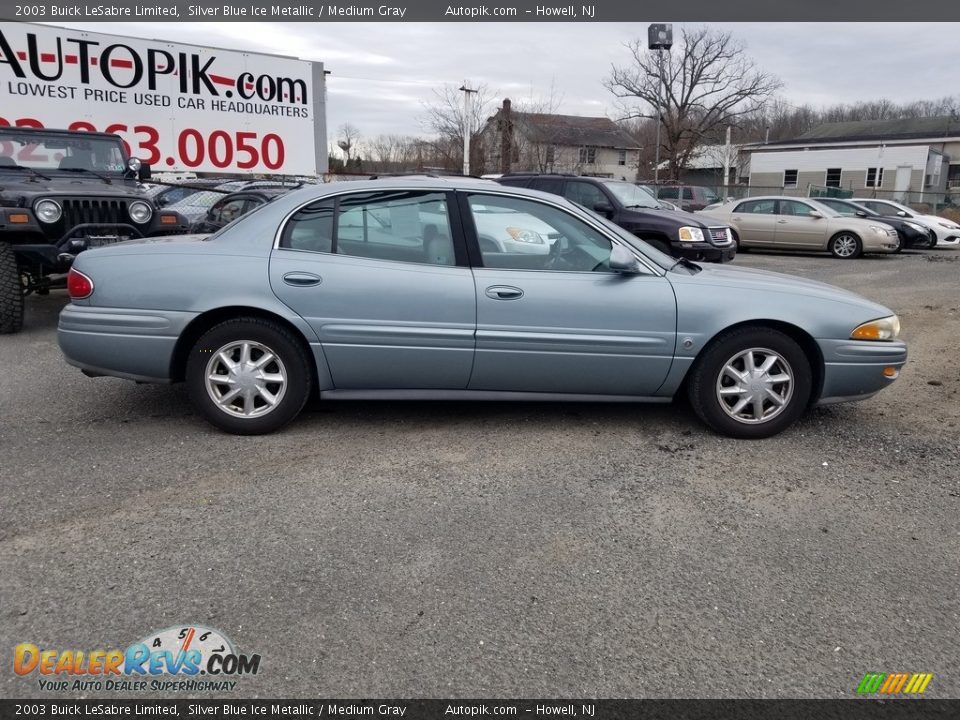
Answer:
(189, 658)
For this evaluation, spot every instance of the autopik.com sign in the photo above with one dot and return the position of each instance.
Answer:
(177, 107)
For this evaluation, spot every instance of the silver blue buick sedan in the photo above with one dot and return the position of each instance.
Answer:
(454, 288)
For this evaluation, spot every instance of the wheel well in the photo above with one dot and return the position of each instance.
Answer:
(798, 335)
(200, 324)
(847, 232)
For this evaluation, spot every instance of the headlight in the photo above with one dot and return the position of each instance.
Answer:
(140, 212)
(887, 328)
(949, 225)
(914, 226)
(525, 236)
(691, 234)
(48, 211)
(881, 229)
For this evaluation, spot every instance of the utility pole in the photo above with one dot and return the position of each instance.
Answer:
(726, 161)
(467, 124)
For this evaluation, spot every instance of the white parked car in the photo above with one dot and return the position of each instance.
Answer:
(947, 232)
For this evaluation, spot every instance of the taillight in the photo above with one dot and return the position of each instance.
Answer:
(79, 285)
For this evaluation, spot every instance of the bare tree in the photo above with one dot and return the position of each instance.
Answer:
(705, 83)
(348, 136)
(444, 118)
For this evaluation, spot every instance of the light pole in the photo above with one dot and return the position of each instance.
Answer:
(467, 125)
(659, 38)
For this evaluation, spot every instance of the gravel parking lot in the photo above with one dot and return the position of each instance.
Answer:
(512, 550)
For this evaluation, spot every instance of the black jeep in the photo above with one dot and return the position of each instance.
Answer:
(62, 192)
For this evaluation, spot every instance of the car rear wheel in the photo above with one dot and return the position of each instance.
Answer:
(846, 246)
(751, 383)
(11, 292)
(248, 376)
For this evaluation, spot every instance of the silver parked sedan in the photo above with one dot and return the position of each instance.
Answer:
(382, 289)
(787, 223)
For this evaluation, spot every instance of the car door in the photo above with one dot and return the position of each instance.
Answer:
(755, 221)
(379, 278)
(563, 322)
(797, 228)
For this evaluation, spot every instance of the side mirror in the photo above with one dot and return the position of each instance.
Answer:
(604, 208)
(623, 261)
(860, 213)
(901, 213)
(816, 214)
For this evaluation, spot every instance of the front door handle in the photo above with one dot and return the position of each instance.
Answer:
(302, 279)
(504, 292)
(781, 222)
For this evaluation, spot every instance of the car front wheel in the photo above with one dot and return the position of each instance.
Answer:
(751, 383)
(248, 376)
(846, 246)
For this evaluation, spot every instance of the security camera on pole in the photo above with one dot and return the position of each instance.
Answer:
(659, 38)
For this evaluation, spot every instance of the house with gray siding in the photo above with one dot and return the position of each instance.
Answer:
(548, 143)
(911, 159)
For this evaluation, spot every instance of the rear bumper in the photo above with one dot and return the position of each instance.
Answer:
(132, 344)
(854, 369)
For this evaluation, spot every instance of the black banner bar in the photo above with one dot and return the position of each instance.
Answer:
(586, 709)
(59, 11)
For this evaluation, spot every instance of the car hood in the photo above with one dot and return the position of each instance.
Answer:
(672, 216)
(933, 220)
(768, 281)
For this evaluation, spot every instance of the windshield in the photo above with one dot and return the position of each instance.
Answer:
(45, 151)
(630, 195)
(203, 199)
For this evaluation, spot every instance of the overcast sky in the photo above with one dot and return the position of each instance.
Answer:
(383, 72)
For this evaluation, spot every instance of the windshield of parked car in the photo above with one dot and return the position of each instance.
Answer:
(203, 200)
(50, 151)
(630, 195)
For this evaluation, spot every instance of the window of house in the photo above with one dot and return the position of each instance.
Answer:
(833, 177)
(789, 178)
(588, 155)
(874, 177)
(622, 157)
(551, 154)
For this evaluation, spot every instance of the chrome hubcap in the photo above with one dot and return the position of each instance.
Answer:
(246, 379)
(845, 245)
(755, 386)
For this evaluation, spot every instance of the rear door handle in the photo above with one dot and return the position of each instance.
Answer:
(504, 292)
(302, 279)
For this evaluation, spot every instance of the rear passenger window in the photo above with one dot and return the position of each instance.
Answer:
(397, 225)
(757, 207)
(548, 185)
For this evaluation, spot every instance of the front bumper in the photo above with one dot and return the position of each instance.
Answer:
(854, 369)
(704, 251)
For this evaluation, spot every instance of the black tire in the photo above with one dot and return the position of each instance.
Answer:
(11, 292)
(708, 375)
(899, 245)
(845, 245)
(290, 362)
(736, 239)
(933, 241)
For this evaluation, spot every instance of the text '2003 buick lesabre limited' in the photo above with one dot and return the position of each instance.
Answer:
(454, 288)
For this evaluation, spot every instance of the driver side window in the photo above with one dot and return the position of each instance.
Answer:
(520, 234)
